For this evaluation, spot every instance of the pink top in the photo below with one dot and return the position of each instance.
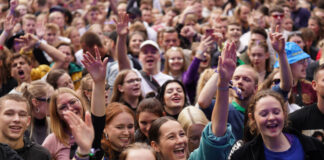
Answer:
(58, 150)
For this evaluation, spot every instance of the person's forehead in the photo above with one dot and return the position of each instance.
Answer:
(233, 26)
(257, 36)
(19, 59)
(13, 105)
(170, 35)
(277, 13)
(244, 71)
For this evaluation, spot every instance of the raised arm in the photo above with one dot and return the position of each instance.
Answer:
(97, 70)
(208, 92)
(32, 41)
(278, 43)
(9, 24)
(226, 68)
(121, 49)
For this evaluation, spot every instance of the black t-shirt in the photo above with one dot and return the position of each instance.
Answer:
(307, 120)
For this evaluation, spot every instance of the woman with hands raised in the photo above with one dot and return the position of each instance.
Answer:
(200, 62)
(114, 129)
(169, 140)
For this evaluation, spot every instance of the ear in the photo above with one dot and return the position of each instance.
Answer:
(120, 88)
(314, 85)
(34, 102)
(250, 117)
(28, 121)
(155, 146)
(267, 55)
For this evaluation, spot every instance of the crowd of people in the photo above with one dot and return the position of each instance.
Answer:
(162, 79)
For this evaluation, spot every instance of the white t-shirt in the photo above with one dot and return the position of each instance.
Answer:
(160, 77)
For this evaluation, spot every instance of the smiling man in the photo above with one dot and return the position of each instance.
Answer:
(14, 121)
(149, 57)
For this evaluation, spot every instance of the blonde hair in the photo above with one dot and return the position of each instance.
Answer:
(136, 146)
(166, 63)
(58, 125)
(204, 77)
(190, 116)
(52, 27)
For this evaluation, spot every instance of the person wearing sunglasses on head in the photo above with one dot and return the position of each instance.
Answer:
(38, 94)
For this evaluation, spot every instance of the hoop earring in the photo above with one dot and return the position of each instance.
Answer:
(106, 136)
(37, 110)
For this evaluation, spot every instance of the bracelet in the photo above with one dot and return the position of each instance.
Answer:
(223, 88)
(81, 155)
(81, 158)
(37, 44)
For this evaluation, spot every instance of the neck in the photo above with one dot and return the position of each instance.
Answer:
(173, 111)
(295, 81)
(175, 73)
(151, 72)
(260, 68)
(243, 103)
(320, 103)
(14, 144)
(133, 101)
(277, 144)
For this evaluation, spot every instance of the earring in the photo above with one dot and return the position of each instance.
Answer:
(37, 110)
(106, 136)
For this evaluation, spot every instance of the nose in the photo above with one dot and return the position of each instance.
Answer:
(271, 116)
(16, 118)
(181, 139)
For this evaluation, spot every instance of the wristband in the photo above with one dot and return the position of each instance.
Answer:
(223, 88)
(37, 44)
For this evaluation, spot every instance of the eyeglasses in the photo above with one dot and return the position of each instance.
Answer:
(130, 81)
(65, 106)
(275, 81)
(43, 99)
(303, 61)
(276, 16)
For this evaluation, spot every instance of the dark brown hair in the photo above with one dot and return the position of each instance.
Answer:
(151, 105)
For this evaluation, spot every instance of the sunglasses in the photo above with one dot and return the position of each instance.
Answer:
(276, 16)
(43, 99)
(275, 81)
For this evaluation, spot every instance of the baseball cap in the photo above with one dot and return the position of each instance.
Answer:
(294, 54)
(150, 42)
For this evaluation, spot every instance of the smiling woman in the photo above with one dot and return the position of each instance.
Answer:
(173, 97)
(267, 117)
(60, 142)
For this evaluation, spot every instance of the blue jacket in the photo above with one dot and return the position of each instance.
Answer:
(212, 147)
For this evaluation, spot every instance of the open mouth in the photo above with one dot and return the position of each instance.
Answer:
(15, 129)
(176, 99)
(179, 152)
(272, 126)
(124, 139)
(21, 74)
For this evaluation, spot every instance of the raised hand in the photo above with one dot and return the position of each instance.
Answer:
(227, 63)
(10, 23)
(122, 24)
(207, 41)
(82, 131)
(188, 31)
(29, 40)
(278, 41)
(95, 66)
(13, 5)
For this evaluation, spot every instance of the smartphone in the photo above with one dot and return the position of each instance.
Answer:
(209, 32)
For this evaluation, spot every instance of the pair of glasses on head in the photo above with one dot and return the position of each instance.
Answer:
(43, 99)
(277, 16)
(130, 81)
